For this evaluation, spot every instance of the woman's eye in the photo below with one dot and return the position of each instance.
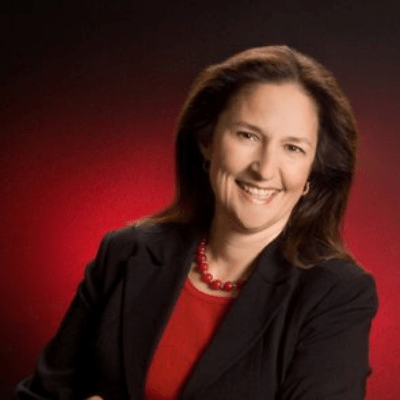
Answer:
(247, 135)
(294, 149)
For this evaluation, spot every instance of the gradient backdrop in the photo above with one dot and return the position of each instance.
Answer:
(90, 94)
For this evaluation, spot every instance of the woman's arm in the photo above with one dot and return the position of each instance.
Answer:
(55, 375)
(331, 356)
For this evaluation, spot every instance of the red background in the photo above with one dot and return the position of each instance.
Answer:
(91, 94)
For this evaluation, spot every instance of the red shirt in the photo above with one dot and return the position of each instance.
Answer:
(189, 331)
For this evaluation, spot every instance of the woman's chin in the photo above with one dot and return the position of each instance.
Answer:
(255, 225)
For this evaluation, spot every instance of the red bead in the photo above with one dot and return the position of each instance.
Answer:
(228, 286)
(207, 278)
(201, 250)
(203, 267)
(216, 285)
(200, 258)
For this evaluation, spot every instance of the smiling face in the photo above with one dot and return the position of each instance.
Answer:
(261, 155)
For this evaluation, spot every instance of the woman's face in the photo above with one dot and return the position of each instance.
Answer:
(261, 154)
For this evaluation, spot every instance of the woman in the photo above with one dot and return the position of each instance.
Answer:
(242, 288)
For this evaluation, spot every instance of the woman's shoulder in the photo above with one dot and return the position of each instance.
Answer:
(338, 281)
(147, 243)
(339, 270)
(148, 235)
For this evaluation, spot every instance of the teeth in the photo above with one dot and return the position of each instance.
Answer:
(256, 191)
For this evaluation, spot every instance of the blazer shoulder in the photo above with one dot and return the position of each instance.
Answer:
(150, 237)
(339, 281)
(121, 242)
(344, 272)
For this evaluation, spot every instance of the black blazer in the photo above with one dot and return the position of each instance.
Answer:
(291, 333)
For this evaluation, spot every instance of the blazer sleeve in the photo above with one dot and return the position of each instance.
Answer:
(56, 373)
(331, 355)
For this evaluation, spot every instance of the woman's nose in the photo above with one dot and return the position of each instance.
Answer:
(265, 163)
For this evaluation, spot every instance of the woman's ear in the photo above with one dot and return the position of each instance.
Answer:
(205, 148)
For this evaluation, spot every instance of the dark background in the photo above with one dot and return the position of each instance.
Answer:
(90, 92)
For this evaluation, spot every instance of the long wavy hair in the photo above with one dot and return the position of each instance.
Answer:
(313, 231)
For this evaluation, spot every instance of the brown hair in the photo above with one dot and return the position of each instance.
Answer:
(313, 231)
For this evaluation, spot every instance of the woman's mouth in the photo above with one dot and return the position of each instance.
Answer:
(256, 194)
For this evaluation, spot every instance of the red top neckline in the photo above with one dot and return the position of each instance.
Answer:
(205, 296)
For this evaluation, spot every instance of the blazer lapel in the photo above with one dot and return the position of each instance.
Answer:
(248, 318)
(154, 278)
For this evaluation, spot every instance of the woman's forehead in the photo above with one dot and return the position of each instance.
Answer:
(272, 106)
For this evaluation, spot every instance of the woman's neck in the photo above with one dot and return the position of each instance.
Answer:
(233, 251)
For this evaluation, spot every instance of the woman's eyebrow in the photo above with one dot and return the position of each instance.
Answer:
(296, 139)
(249, 126)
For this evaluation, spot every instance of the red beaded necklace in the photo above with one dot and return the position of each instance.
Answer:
(206, 277)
